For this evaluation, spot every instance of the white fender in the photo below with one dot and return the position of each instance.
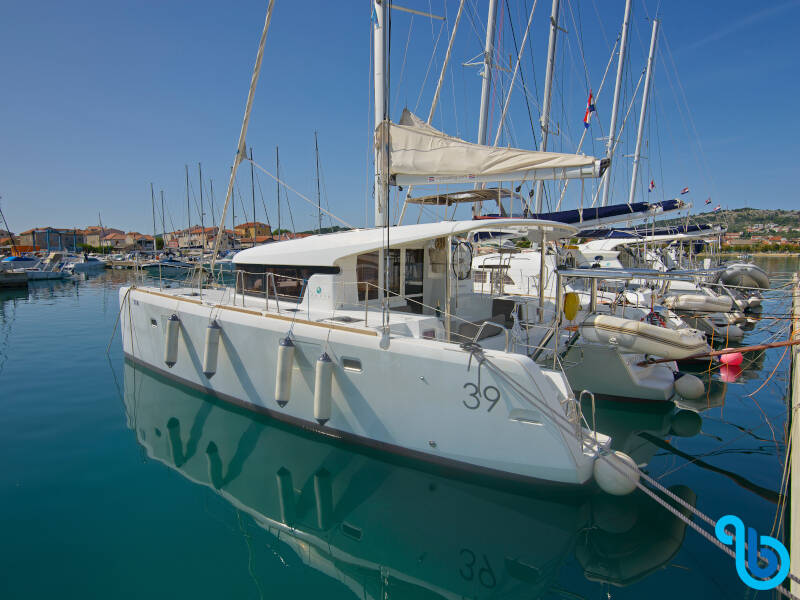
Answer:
(732, 333)
(689, 386)
(211, 349)
(323, 378)
(616, 473)
(171, 340)
(283, 375)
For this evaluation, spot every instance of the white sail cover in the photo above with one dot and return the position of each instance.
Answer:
(421, 154)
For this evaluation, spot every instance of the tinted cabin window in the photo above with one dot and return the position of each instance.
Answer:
(289, 280)
(367, 274)
(415, 269)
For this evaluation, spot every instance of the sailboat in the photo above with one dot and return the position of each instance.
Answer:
(376, 336)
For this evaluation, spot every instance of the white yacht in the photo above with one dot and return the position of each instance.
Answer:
(376, 336)
(306, 338)
(52, 267)
(85, 264)
(12, 263)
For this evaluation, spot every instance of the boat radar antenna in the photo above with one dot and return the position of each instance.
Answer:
(241, 151)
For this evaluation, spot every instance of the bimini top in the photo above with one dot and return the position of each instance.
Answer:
(328, 249)
(477, 195)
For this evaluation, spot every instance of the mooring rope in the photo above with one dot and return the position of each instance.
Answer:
(637, 476)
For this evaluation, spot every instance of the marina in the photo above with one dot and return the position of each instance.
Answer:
(155, 471)
(497, 352)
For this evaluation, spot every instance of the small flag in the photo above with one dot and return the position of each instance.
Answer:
(708, 200)
(652, 186)
(717, 207)
(589, 110)
(685, 191)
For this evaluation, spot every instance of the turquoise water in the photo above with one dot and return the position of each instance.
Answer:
(116, 483)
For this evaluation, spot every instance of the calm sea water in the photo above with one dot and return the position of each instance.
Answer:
(116, 483)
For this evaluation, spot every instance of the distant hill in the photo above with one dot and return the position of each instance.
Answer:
(739, 219)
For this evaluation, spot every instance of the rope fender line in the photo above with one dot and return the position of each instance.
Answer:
(638, 476)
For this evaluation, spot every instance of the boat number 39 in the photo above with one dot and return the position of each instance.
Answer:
(473, 568)
(490, 393)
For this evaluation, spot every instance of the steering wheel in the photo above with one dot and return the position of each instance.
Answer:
(462, 260)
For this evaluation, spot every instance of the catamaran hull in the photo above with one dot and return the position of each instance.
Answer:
(612, 375)
(422, 399)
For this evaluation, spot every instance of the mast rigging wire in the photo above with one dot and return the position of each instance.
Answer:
(306, 198)
(241, 149)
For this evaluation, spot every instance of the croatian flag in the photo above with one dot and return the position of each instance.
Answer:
(717, 207)
(708, 200)
(685, 191)
(652, 186)
(589, 110)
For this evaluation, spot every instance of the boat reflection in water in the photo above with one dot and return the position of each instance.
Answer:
(634, 425)
(385, 529)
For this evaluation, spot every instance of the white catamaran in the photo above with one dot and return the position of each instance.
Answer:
(376, 336)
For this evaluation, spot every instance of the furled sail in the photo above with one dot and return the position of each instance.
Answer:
(420, 154)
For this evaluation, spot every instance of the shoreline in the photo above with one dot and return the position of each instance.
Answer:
(776, 254)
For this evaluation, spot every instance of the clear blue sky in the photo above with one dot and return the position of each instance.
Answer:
(101, 98)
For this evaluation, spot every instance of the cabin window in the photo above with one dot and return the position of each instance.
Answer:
(367, 274)
(415, 270)
(289, 279)
(438, 256)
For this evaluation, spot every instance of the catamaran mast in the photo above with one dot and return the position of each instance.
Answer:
(486, 84)
(319, 198)
(486, 74)
(379, 33)
(548, 92)
(612, 128)
(645, 94)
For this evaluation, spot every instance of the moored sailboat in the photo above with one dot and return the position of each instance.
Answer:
(376, 336)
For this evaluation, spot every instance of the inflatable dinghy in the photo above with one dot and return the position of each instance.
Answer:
(638, 337)
(699, 302)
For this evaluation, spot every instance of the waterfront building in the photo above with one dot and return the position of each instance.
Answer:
(50, 238)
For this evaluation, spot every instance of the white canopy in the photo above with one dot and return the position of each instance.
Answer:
(420, 154)
(328, 249)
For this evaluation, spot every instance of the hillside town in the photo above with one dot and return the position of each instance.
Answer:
(742, 235)
(96, 238)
